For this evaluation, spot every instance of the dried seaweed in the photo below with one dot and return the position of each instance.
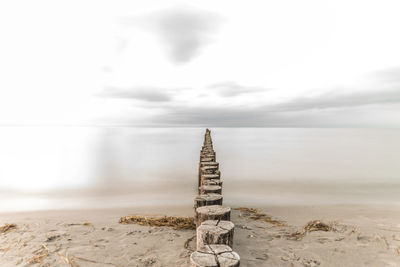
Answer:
(39, 254)
(312, 226)
(68, 260)
(176, 223)
(84, 224)
(257, 215)
(7, 227)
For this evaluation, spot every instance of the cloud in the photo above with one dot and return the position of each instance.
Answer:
(231, 89)
(143, 93)
(184, 31)
(214, 116)
(333, 100)
(326, 110)
(390, 75)
(342, 107)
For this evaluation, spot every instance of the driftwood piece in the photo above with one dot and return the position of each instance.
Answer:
(213, 212)
(215, 256)
(208, 200)
(210, 189)
(215, 232)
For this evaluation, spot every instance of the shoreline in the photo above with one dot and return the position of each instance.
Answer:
(371, 232)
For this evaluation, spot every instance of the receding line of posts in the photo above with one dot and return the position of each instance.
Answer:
(214, 230)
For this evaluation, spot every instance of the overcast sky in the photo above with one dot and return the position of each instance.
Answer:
(285, 63)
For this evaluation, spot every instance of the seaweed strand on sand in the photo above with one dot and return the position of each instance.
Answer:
(315, 225)
(176, 223)
(257, 215)
(7, 227)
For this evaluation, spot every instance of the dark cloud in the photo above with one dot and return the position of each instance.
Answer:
(230, 89)
(326, 110)
(143, 93)
(185, 31)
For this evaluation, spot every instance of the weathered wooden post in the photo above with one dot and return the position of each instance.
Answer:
(215, 232)
(213, 212)
(212, 182)
(207, 200)
(210, 189)
(215, 256)
(207, 168)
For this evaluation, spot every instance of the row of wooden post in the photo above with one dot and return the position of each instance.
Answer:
(214, 230)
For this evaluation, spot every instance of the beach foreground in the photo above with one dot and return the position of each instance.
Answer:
(344, 235)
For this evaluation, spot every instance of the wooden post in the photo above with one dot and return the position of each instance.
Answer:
(208, 200)
(209, 169)
(206, 170)
(212, 182)
(210, 176)
(215, 232)
(210, 189)
(207, 177)
(215, 256)
(209, 163)
(213, 212)
(207, 159)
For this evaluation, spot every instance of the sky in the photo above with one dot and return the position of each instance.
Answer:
(164, 63)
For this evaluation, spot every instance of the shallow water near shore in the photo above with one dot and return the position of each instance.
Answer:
(107, 167)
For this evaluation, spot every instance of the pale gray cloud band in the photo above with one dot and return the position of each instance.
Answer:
(142, 93)
(321, 111)
(231, 88)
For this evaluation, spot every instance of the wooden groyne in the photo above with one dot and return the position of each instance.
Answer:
(214, 230)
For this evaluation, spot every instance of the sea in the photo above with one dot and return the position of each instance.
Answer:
(64, 167)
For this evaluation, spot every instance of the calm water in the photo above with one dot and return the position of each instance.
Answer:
(88, 167)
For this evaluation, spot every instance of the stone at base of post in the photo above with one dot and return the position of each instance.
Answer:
(214, 232)
(215, 256)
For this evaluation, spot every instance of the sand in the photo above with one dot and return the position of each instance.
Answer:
(360, 236)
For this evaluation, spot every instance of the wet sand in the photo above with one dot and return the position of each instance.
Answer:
(361, 236)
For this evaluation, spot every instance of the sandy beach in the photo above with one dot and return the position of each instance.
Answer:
(359, 236)
(199, 133)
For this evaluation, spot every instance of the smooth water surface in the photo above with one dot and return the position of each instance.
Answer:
(91, 167)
